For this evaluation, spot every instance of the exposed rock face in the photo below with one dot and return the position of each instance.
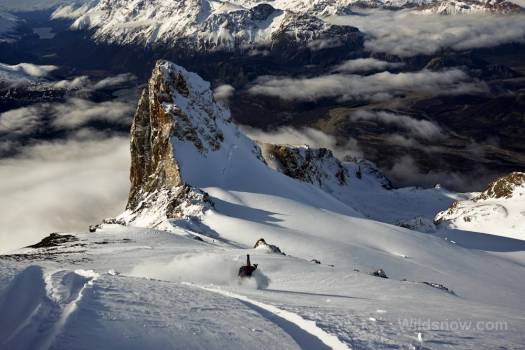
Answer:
(183, 141)
(369, 169)
(419, 223)
(320, 167)
(270, 248)
(317, 166)
(503, 187)
(174, 106)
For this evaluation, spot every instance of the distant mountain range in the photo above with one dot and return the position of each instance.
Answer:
(205, 24)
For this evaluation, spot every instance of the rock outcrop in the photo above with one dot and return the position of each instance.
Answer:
(317, 166)
(504, 187)
(499, 208)
(183, 142)
(175, 105)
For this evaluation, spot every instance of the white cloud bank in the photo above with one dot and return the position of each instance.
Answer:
(74, 113)
(406, 33)
(61, 186)
(374, 87)
(23, 73)
(366, 65)
(422, 128)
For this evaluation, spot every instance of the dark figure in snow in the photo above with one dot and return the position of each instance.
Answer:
(247, 270)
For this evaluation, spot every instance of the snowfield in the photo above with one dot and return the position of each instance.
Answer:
(130, 286)
(126, 288)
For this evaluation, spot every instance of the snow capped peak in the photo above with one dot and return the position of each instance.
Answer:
(183, 143)
(499, 209)
(185, 152)
(188, 99)
(175, 105)
(200, 24)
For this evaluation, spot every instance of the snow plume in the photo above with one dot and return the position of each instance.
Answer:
(200, 268)
(376, 87)
(407, 33)
(366, 65)
(61, 186)
(421, 128)
(305, 136)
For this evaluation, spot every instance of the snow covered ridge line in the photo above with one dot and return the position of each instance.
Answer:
(183, 143)
(467, 7)
(202, 25)
(499, 209)
(181, 139)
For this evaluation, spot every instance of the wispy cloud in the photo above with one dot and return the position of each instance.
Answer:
(74, 113)
(306, 136)
(422, 128)
(366, 65)
(223, 92)
(379, 86)
(23, 73)
(406, 33)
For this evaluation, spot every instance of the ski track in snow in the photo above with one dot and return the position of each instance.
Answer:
(49, 302)
(305, 332)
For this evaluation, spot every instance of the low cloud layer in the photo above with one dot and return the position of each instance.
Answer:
(421, 128)
(223, 92)
(23, 73)
(406, 33)
(61, 186)
(366, 65)
(59, 173)
(406, 172)
(305, 136)
(77, 112)
(85, 83)
(375, 87)
(73, 113)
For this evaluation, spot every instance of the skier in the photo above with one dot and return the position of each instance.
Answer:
(247, 270)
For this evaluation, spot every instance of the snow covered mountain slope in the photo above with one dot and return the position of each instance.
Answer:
(361, 185)
(498, 210)
(197, 148)
(202, 25)
(210, 25)
(36, 5)
(208, 187)
(126, 288)
(466, 7)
